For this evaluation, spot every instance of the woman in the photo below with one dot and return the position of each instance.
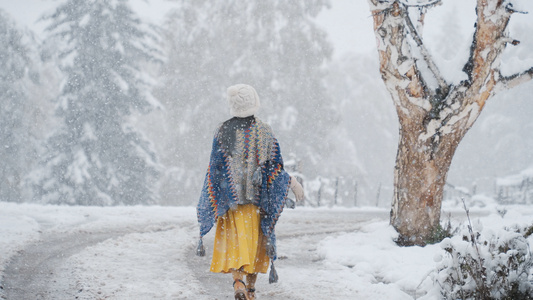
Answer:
(244, 193)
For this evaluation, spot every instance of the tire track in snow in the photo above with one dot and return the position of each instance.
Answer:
(34, 273)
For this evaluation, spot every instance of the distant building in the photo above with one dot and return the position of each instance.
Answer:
(516, 189)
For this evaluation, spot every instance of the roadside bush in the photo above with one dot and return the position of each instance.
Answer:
(486, 265)
(442, 232)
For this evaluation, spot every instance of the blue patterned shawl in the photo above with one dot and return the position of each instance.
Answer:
(219, 192)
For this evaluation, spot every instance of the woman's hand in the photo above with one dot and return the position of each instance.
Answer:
(297, 189)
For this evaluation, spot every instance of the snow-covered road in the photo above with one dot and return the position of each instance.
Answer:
(97, 253)
(299, 234)
(51, 252)
(36, 272)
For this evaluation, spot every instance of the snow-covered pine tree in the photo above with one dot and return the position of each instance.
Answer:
(15, 71)
(274, 46)
(96, 157)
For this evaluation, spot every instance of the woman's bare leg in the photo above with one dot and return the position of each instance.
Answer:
(250, 285)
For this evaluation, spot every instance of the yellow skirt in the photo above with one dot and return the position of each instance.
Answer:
(239, 242)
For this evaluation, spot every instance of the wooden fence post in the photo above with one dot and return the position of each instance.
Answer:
(355, 193)
(319, 193)
(377, 196)
(336, 190)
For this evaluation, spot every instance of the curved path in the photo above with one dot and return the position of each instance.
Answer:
(36, 273)
(39, 271)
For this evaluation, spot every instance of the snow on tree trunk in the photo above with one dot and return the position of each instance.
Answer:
(434, 121)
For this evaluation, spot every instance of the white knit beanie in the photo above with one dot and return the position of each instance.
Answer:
(243, 100)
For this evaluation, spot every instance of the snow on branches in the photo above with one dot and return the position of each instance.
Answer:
(434, 119)
(401, 71)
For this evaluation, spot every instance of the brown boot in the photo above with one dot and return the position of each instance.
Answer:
(240, 290)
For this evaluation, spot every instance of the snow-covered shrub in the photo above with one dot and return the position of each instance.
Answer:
(440, 233)
(485, 265)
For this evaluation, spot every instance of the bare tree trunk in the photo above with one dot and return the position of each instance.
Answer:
(419, 179)
(434, 121)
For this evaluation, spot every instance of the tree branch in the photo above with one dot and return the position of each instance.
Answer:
(509, 8)
(509, 82)
(489, 42)
(397, 64)
(425, 54)
(420, 20)
(427, 4)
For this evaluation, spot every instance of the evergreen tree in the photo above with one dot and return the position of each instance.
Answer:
(15, 63)
(274, 46)
(96, 157)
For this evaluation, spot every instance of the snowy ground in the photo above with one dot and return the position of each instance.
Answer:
(50, 252)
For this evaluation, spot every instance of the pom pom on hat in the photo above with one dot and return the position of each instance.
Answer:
(243, 100)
